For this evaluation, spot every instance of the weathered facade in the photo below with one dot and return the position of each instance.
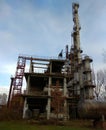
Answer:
(73, 73)
(69, 77)
(39, 85)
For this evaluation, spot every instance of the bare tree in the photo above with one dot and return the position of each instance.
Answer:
(57, 100)
(99, 79)
(104, 59)
(3, 99)
(104, 56)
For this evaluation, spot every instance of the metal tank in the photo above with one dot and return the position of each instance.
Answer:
(92, 109)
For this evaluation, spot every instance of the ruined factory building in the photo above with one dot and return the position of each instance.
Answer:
(62, 81)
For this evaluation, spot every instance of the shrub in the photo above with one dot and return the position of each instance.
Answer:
(9, 114)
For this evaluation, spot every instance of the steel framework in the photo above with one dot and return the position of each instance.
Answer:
(18, 80)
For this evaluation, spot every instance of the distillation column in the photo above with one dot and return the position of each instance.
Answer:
(87, 81)
(76, 50)
(76, 34)
(81, 66)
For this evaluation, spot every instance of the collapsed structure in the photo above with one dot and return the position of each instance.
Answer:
(73, 72)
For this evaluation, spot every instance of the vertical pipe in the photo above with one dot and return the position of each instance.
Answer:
(10, 92)
(65, 101)
(65, 87)
(67, 56)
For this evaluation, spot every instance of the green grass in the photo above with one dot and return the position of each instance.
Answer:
(17, 125)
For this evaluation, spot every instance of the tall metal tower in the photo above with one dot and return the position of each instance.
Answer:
(76, 34)
(80, 67)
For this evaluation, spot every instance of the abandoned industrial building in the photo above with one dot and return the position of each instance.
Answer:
(72, 75)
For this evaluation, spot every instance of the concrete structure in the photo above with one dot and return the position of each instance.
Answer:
(73, 72)
(39, 85)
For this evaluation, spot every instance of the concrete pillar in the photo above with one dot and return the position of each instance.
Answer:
(50, 67)
(31, 67)
(28, 85)
(25, 108)
(48, 108)
(49, 86)
(49, 99)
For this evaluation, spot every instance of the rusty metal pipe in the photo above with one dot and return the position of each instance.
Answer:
(92, 109)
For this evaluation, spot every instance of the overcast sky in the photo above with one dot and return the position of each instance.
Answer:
(43, 28)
